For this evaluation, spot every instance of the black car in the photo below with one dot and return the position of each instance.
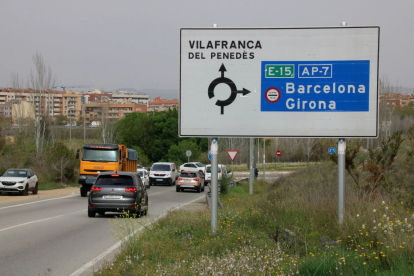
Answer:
(118, 192)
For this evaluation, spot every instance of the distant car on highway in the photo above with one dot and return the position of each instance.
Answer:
(118, 192)
(190, 180)
(163, 173)
(143, 173)
(19, 181)
(222, 170)
(192, 167)
(139, 167)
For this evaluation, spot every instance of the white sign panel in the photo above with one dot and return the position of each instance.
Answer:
(279, 82)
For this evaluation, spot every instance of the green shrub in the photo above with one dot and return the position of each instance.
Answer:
(61, 162)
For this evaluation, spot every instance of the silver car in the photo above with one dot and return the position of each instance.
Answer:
(118, 192)
(19, 181)
(143, 173)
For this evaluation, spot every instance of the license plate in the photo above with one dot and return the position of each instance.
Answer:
(187, 186)
(187, 180)
(113, 197)
(159, 179)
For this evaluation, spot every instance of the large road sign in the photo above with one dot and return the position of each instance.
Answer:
(232, 154)
(279, 82)
(188, 153)
(278, 153)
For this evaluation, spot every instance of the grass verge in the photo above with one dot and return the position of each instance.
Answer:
(282, 166)
(288, 227)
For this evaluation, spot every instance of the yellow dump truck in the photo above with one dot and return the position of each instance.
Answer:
(97, 158)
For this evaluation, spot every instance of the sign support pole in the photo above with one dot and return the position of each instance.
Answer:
(264, 157)
(341, 174)
(214, 184)
(341, 179)
(214, 180)
(251, 167)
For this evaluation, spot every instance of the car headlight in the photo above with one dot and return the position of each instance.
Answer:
(82, 176)
(21, 181)
(151, 174)
(168, 174)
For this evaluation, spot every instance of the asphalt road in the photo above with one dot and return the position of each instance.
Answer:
(54, 236)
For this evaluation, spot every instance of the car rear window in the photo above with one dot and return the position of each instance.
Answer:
(124, 180)
(208, 169)
(188, 174)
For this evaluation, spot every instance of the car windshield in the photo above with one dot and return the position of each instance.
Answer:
(188, 174)
(123, 180)
(15, 173)
(208, 169)
(159, 167)
(141, 174)
(200, 165)
(100, 155)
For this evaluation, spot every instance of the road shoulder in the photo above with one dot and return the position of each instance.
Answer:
(6, 198)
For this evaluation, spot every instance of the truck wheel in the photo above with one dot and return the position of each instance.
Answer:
(83, 192)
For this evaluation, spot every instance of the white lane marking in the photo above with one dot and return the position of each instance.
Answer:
(36, 201)
(160, 192)
(23, 224)
(116, 245)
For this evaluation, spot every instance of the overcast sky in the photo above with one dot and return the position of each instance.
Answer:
(114, 44)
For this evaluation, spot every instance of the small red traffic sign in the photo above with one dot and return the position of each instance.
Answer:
(278, 153)
(272, 95)
(232, 154)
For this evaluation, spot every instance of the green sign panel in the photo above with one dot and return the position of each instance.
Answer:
(280, 71)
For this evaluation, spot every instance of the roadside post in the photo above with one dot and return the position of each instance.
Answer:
(214, 184)
(251, 178)
(309, 82)
(188, 153)
(264, 158)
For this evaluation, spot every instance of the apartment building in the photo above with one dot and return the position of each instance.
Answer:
(133, 97)
(111, 111)
(159, 104)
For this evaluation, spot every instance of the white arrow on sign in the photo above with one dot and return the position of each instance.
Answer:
(232, 154)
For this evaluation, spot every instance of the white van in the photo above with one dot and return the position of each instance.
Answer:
(222, 170)
(163, 173)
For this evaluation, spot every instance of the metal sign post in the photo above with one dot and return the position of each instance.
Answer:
(341, 179)
(214, 184)
(264, 157)
(251, 178)
(188, 153)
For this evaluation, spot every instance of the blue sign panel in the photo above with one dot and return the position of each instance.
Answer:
(209, 156)
(331, 151)
(315, 86)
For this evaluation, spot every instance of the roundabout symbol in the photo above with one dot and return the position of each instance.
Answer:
(230, 83)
